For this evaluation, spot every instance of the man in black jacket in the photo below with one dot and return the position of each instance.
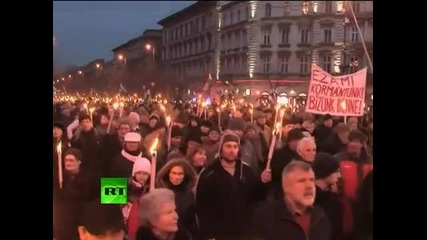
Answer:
(226, 192)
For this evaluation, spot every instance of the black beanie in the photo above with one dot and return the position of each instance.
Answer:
(230, 138)
(84, 116)
(324, 165)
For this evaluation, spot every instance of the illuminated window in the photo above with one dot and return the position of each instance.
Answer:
(315, 6)
(328, 7)
(303, 65)
(266, 36)
(327, 63)
(284, 64)
(327, 35)
(287, 8)
(305, 7)
(268, 10)
(285, 35)
(354, 35)
(304, 35)
(340, 8)
(266, 64)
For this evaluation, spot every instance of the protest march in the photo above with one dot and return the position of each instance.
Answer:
(148, 157)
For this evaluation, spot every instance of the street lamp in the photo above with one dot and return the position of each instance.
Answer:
(80, 72)
(149, 47)
(122, 58)
(98, 65)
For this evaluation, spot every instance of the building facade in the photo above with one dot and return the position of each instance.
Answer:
(189, 43)
(138, 61)
(278, 40)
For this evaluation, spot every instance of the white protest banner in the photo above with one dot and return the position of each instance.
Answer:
(336, 95)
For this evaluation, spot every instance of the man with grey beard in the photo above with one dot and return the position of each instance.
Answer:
(293, 216)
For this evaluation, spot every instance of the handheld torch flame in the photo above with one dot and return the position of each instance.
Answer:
(153, 148)
(168, 121)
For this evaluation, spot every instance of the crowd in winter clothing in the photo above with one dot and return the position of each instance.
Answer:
(213, 178)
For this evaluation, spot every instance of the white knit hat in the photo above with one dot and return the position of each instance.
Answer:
(132, 137)
(141, 165)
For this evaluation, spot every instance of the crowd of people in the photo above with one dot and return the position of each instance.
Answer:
(227, 177)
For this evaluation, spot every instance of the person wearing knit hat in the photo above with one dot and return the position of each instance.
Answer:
(227, 174)
(192, 141)
(122, 164)
(139, 182)
(326, 170)
(247, 151)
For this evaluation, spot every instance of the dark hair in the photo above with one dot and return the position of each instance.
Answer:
(75, 152)
(357, 135)
(199, 150)
(99, 219)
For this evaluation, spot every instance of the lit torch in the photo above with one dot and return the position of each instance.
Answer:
(153, 152)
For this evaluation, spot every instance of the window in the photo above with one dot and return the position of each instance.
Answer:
(266, 64)
(247, 13)
(230, 40)
(237, 39)
(238, 15)
(268, 10)
(284, 64)
(224, 19)
(305, 6)
(237, 64)
(231, 18)
(315, 6)
(327, 63)
(327, 35)
(303, 65)
(304, 35)
(328, 7)
(340, 7)
(266, 33)
(285, 35)
(354, 35)
(287, 8)
(203, 22)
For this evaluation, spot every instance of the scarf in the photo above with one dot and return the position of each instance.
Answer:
(129, 157)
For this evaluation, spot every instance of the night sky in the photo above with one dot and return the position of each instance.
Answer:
(85, 31)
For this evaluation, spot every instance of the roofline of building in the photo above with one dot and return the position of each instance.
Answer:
(133, 40)
(184, 11)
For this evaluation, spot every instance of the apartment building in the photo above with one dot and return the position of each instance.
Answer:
(138, 62)
(276, 41)
(189, 43)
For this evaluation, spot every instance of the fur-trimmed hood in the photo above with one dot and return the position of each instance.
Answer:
(190, 176)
